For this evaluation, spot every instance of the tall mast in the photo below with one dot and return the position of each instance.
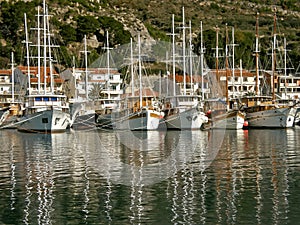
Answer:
(285, 69)
(226, 65)
(217, 53)
(12, 77)
(86, 70)
(108, 63)
(27, 53)
(274, 58)
(241, 76)
(256, 55)
(50, 55)
(75, 80)
(183, 51)
(173, 56)
(233, 69)
(131, 68)
(140, 70)
(45, 46)
(201, 60)
(190, 56)
(39, 51)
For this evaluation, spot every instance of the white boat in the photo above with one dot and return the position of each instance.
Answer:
(139, 113)
(45, 113)
(231, 120)
(46, 108)
(261, 112)
(182, 111)
(141, 109)
(266, 111)
(186, 114)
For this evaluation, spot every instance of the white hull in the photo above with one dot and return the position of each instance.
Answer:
(146, 119)
(48, 121)
(272, 118)
(231, 120)
(185, 119)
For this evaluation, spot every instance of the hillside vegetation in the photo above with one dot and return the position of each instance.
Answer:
(124, 19)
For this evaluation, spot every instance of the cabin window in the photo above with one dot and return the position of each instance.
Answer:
(46, 99)
(44, 120)
(53, 98)
(38, 99)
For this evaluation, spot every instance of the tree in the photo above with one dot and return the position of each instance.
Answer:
(86, 25)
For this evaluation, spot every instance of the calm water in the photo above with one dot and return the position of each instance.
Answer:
(105, 177)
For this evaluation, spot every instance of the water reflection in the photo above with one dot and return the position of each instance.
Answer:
(92, 177)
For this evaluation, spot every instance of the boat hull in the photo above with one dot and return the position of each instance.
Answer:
(145, 119)
(272, 118)
(47, 121)
(185, 119)
(230, 120)
(84, 122)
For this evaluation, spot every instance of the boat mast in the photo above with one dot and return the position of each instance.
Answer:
(241, 76)
(12, 77)
(285, 69)
(274, 58)
(75, 80)
(86, 70)
(173, 56)
(226, 66)
(45, 46)
(217, 54)
(201, 60)
(108, 64)
(50, 55)
(140, 70)
(27, 53)
(256, 55)
(39, 51)
(183, 51)
(233, 69)
(190, 56)
(131, 67)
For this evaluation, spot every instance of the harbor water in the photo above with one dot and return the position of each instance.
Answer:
(155, 177)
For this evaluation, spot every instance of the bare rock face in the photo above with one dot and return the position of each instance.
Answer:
(92, 42)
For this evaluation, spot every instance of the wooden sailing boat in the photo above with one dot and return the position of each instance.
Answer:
(46, 109)
(228, 116)
(263, 111)
(140, 110)
(183, 111)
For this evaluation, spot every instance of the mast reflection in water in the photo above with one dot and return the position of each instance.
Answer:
(157, 177)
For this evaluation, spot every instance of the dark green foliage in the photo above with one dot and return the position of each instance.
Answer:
(115, 29)
(68, 33)
(86, 25)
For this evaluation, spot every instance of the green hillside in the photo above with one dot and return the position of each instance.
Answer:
(125, 18)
